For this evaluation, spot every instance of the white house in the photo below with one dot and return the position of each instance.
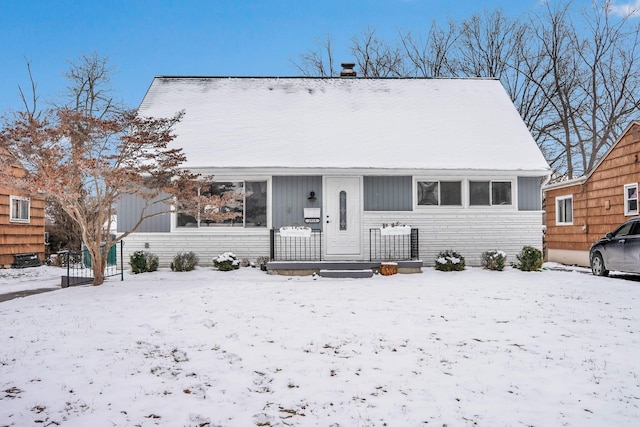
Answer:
(451, 158)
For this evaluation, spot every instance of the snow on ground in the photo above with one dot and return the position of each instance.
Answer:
(25, 279)
(208, 348)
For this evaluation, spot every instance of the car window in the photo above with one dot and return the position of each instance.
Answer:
(624, 230)
(635, 230)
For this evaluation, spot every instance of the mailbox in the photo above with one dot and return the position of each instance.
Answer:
(312, 215)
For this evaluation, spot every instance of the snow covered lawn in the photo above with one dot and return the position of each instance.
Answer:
(208, 348)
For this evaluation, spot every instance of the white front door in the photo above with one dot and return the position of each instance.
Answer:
(342, 217)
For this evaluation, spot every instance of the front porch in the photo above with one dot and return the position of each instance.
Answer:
(296, 255)
(351, 269)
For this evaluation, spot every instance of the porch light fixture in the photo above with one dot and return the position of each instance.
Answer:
(312, 196)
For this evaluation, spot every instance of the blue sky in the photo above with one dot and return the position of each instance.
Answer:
(145, 38)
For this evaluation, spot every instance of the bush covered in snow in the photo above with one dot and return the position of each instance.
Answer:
(184, 261)
(142, 262)
(494, 260)
(450, 261)
(529, 259)
(226, 262)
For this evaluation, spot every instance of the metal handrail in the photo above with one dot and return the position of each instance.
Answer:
(393, 247)
(284, 248)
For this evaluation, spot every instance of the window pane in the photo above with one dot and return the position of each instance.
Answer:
(565, 210)
(19, 209)
(568, 210)
(451, 193)
(185, 220)
(479, 193)
(427, 193)
(256, 204)
(15, 206)
(24, 209)
(623, 231)
(343, 210)
(631, 199)
(221, 204)
(501, 193)
(560, 210)
(224, 214)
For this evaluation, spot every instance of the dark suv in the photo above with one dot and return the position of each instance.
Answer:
(619, 250)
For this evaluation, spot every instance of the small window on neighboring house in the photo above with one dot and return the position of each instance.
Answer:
(631, 199)
(439, 193)
(564, 210)
(20, 208)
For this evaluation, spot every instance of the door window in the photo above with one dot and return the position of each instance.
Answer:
(343, 210)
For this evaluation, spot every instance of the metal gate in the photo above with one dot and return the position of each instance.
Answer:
(78, 265)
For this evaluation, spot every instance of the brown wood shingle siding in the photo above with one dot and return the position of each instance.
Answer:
(598, 203)
(17, 237)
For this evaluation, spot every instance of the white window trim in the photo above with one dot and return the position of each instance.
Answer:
(627, 212)
(559, 198)
(20, 220)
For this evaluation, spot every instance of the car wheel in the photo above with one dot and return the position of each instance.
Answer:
(597, 265)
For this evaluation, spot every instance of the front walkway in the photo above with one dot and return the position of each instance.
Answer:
(19, 294)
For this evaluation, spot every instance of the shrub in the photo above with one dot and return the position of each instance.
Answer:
(142, 262)
(529, 259)
(184, 261)
(450, 261)
(226, 262)
(494, 260)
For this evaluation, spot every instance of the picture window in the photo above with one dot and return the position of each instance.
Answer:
(246, 209)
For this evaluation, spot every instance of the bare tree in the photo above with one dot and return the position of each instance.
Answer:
(318, 62)
(587, 79)
(87, 154)
(556, 77)
(489, 44)
(493, 45)
(610, 57)
(375, 57)
(63, 231)
(573, 77)
(89, 87)
(432, 57)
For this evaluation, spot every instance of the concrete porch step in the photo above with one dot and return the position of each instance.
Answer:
(305, 268)
(351, 274)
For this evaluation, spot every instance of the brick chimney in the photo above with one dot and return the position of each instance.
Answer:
(347, 69)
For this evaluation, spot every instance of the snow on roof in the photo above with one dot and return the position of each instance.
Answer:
(286, 122)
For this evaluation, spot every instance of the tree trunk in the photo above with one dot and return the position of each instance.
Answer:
(98, 263)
